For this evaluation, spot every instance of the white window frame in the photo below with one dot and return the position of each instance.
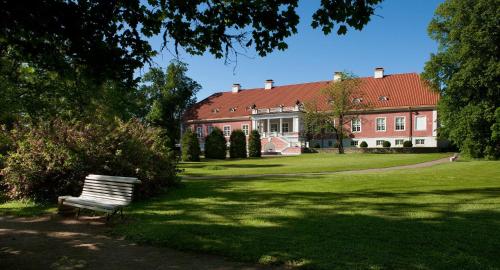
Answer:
(381, 142)
(399, 144)
(224, 130)
(271, 127)
(352, 125)
(425, 123)
(355, 143)
(420, 140)
(395, 123)
(283, 127)
(246, 129)
(210, 129)
(385, 124)
(199, 132)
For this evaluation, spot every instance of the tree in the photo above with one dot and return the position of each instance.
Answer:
(254, 144)
(170, 94)
(215, 145)
(466, 72)
(190, 146)
(386, 144)
(317, 123)
(109, 39)
(238, 144)
(345, 104)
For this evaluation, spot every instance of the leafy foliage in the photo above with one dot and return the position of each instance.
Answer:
(363, 144)
(169, 94)
(238, 144)
(346, 103)
(190, 146)
(386, 144)
(109, 39)
(215, 145)
(53, 158)
(466, 71)
(407, 144)
(254, 144)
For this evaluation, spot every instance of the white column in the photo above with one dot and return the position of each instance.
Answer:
(254, 124)
(295, 124)
(268, 125)
(281, 126)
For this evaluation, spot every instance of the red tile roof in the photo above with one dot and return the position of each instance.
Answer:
(402, 90)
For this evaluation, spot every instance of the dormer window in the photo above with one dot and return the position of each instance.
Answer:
(216, 110)
(357, 100)
(383, 98)
(233, 109)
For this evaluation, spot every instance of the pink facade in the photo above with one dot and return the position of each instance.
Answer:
(206, 126)
(369, 125)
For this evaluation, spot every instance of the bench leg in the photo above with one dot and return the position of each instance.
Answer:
(121, 213)
(78, 213)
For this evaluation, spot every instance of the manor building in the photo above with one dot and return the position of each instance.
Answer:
(401, 107)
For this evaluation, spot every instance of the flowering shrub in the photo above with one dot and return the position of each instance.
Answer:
(53, 158)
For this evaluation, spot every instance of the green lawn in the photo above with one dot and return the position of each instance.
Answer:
(25, 208)
(442, 217)
(304, 163)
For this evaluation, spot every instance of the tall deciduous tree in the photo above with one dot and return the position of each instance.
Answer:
(345, 101)
(108, 39)
(466, 71)
(169, 94)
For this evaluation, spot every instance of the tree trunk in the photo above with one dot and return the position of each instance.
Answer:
(340, 135)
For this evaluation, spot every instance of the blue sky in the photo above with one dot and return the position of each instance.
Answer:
(396, 39)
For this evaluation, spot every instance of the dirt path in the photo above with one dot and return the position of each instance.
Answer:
(411, 166)
(51, 242)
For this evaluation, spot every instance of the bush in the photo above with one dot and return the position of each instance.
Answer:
(407, 144)
(215, 145)
(238, 144)
(190, 146)
(317, 145)
(254, 144)
(386, 144)
(363, 144)
(52, 158)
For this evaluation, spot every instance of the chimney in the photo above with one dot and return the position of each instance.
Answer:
(379, 73)
(236, 87)
(269, 84)
(337, 76)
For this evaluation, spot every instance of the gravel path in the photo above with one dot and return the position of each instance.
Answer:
(52, 242)
(411, 166)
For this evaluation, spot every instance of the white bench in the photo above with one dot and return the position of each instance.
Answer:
(103, 193)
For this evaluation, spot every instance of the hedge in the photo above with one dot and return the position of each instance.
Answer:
(238, 144)
(254, 144)
(215, 145)
(190, 146)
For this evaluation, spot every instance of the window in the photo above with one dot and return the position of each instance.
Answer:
(330, 143)
(399, 142)
(420, 123)
(356, 125)
(284, 127)
(274, 127)
(381, 124)
(419, 141)
(210, 129)
(379, 142)
(227, 131)
(245, 129)
(354, 143)
(199, 132)
(383, 98)
(399, 123)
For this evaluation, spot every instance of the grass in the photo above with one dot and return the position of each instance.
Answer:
(25, 208)
(304, 163)
(441, 217)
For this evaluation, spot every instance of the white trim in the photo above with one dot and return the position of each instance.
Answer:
(404, 123)
(247, 131)
(434, 123)
(224, 130)
(360, 126)
(199, 131)
(416, 123)
(385, 124)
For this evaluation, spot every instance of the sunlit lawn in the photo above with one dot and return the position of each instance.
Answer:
(25, 208)
(442, 217)
(304, 163)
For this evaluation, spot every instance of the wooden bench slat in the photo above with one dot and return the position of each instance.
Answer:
(105, 189)
(118, 184)
(106, 193)
(105, 197)
(130, 180)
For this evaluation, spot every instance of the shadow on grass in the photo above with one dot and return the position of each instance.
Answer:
(326, 230)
